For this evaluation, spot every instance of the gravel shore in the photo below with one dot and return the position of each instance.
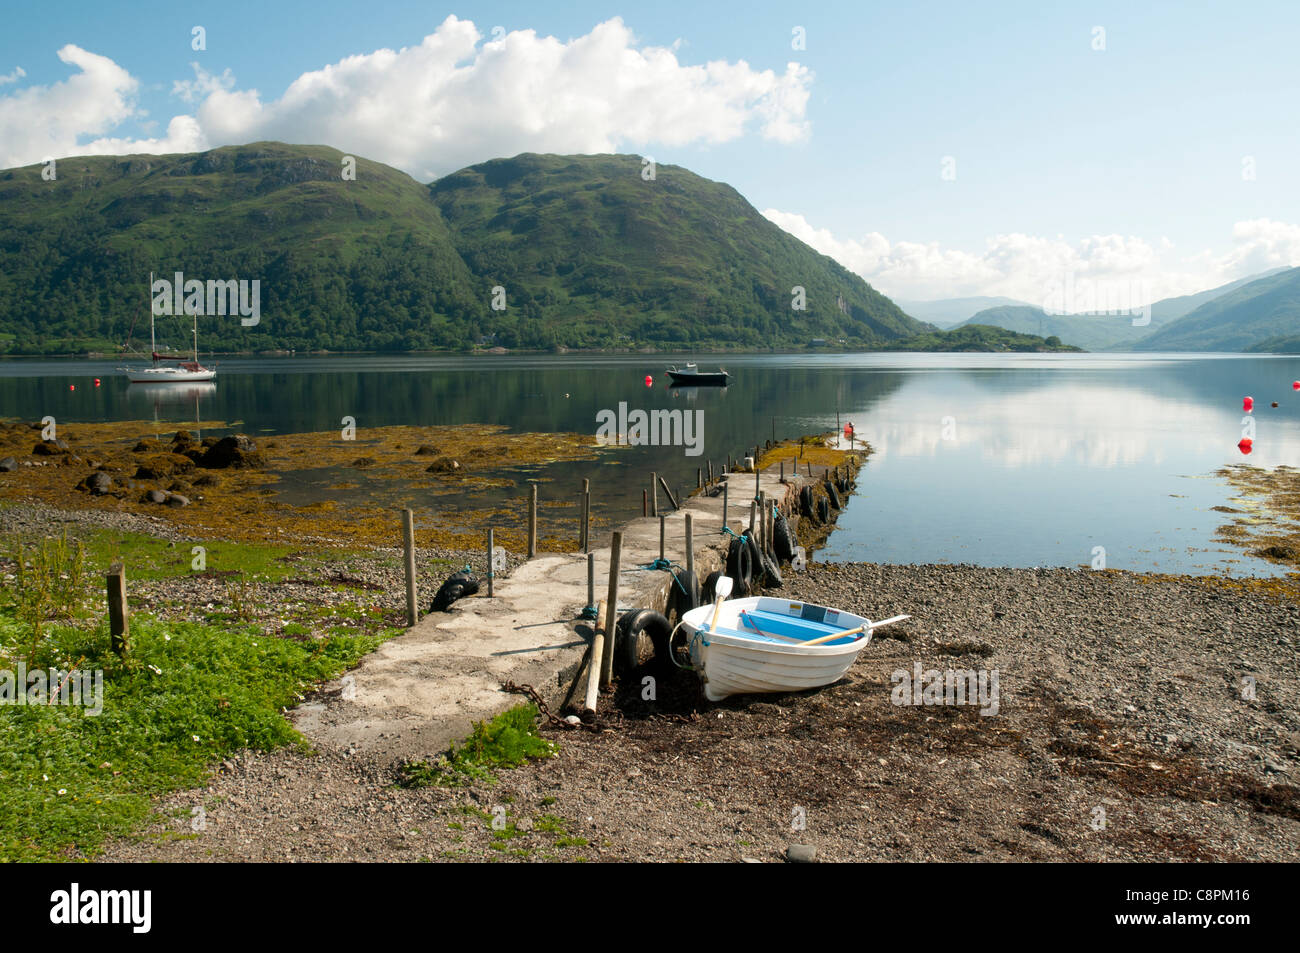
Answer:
(1139, 717)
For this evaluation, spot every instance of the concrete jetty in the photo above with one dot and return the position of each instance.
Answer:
(422, 690)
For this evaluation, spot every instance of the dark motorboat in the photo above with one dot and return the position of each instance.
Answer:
(692, 376)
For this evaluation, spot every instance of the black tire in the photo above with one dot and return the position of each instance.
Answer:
(685, 595)
(771, 573)
(806, 501)
(782, 539)
(834, 496)
(740, 567)
(642, 637)
(844, 483)
(755, 557)
(823, 510)
(457, 586)
(709, 591)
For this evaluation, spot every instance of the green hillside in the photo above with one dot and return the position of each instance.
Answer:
(584, 245)
(979, 337)
(362, 264)
(1092, 332)
(1252, 313)
(589, 253)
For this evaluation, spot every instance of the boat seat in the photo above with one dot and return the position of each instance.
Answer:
(789, 626)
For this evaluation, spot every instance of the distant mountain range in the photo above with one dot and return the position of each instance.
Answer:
(1253, 313)
(950, 312)
(537, 251)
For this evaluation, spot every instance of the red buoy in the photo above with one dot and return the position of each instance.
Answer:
(96, 381)
(1246, 445)
(1248, 404)
(72, 387)
(1295, 385)
(649, 381)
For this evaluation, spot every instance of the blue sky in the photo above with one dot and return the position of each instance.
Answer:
(1120, 164)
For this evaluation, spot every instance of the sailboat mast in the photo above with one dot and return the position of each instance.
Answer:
(153, 343)
(196, 337)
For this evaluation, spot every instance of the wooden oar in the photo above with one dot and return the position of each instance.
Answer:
(723, 589)
(862, 628)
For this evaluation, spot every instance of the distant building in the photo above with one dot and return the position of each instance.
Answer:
(818, 342)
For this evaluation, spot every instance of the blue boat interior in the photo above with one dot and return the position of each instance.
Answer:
(763, 626)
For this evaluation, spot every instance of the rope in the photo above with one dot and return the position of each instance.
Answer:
(728, 530)
(589, 612)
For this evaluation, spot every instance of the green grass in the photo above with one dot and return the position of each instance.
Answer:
(507, 741)
(187, 695)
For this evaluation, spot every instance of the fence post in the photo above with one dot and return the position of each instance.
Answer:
(611, 611)
(582, 514)
(492, 572)
(408, 543)
(532, 522)
(690, 545)
(654, 494)
(119, 619)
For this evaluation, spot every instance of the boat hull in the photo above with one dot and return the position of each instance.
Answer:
(735, 661)
(170, 375)
(698, 380)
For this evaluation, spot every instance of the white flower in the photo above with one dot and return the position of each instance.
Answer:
(166, 637)
(156, 669)
(63, 790)
(195, 737)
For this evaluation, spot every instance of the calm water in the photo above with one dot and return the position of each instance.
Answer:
(1043, 458)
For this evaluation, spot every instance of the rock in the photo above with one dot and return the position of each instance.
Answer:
(8, 464)
(444, 465)
(236, 452)
(801, 854)
(362, 462)
(175, 499)
(207, 479)
(163, 465)
(147, 445)
(50, 448)
(427, 451)
(154, 496)
(572, 720)
(97, 484)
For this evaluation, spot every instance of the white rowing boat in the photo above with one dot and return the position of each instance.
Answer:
(762, 644)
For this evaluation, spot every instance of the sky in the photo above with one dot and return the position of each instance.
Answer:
(937, 149)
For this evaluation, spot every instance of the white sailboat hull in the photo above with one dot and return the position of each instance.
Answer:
(169, 375)
(736, 659)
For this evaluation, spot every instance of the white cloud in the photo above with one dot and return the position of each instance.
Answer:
(13, 77)
(429, 109)
(1027, 266)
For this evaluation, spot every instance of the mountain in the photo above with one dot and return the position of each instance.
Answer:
(1248, 315)
(1102, 332)
(1090, 332)
(583, 244)
(588, 253)
(950, 312)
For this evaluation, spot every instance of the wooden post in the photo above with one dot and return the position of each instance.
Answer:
(690, 545)
(598, 655)
(611, 611)
(582, 514)
(654, 494)
(119, 618)
(753, 521)
(662, 529)
(491, 563)
(699, 478)
(408, 542)
(532, 522)
(586, 522)
(591, 579)
(762, 519)
(710, 471)
(726, 488)
(645, 503)
(668, 490)
(758, 478)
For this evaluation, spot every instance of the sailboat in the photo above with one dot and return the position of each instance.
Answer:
(181, 369)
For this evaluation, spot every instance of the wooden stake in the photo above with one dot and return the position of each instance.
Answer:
(591, 579)
(582, 515)
(690, 545)
(119, 618)
(491, 562)
(586, 521)
(671, 498)
(645, 503)
(654, 494)
(611, 622)
(662, 528)
(532, 522)
(597, 661)
(408, 542)
(699, 478)
(726, 488)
